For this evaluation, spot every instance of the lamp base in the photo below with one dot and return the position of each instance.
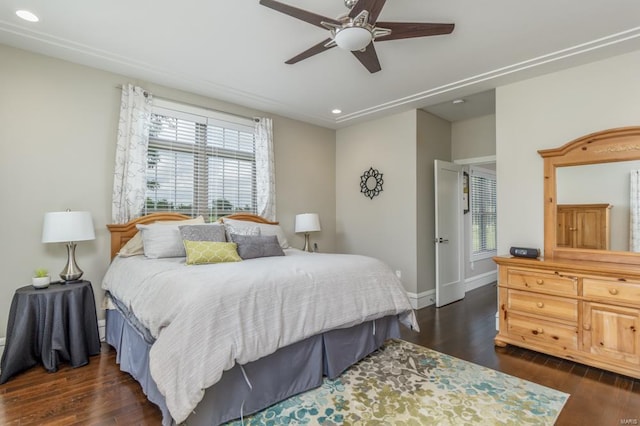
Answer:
(71, 271)
(307, 245)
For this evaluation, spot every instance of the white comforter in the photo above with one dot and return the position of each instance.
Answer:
(207, 318)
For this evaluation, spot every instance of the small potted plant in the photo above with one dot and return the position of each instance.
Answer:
(41, 278)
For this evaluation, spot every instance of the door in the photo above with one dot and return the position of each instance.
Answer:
(610, 331)
(565, 227)
(589, 233)
(448, 233)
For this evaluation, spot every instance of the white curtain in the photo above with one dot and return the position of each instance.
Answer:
(265, 169)
(634, 214)
(129, 181)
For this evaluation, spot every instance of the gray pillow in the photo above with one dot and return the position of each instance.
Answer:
(205, 232)
(252, 246)
(244, 230)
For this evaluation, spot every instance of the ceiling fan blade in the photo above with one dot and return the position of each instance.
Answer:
(303, 15)
(318, 48)
(374, 7)
(369, 58)
(401, 30)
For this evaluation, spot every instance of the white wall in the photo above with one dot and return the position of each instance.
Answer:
(433, 143)
(305, 179)
(398, 225)
(385, 226)
(547, 112)
(472, 139)
(57, 148)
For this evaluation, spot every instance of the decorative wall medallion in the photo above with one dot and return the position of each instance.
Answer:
(371, 183)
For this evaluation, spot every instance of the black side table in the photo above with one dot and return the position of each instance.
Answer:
(50, 325)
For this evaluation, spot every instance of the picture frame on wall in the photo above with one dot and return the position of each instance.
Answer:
(465, 192)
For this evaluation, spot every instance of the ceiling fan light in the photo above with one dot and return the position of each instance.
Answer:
(353, 38)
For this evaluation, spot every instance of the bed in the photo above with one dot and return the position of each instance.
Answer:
(214, 342)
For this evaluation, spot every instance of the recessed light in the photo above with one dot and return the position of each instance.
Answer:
(27, 16)
(336, 111)
(458, 101)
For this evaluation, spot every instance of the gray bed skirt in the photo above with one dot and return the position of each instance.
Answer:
(288, 371)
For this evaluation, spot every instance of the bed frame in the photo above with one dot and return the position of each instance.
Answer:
(287, 372)
(121, 233)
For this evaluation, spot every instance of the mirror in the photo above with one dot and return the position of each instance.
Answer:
(599, 184)
(593, 169)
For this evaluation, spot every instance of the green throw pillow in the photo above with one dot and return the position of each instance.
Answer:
(201, 252)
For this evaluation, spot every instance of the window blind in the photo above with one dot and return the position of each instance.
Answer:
(199, 163)
(483, 213)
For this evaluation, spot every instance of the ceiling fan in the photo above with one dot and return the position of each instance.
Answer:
(357, 30)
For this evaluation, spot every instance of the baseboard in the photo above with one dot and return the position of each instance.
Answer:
(428, 298)
(101, 329)
(422, 300)
(480, 280)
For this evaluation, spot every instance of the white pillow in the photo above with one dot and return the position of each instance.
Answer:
(240, 230)
(133, 247)
(265, 229)
(164, 239)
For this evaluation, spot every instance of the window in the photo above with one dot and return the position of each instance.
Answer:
(200, 162)
(483, 213)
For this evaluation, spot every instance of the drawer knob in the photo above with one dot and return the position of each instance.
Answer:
(539, 281)
(613, 291)
(540, 304)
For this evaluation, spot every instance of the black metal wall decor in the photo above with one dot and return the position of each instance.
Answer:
(371, 183)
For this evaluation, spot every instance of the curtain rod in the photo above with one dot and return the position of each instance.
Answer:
(147, 93)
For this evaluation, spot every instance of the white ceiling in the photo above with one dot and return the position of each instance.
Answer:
(235, 50)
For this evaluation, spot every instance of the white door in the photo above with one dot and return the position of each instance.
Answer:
(449, 230)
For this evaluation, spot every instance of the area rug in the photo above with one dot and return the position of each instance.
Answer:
(406, 384)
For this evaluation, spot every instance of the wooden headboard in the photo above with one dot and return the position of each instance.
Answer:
(121, 233)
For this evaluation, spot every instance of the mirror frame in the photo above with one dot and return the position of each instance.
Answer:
(607, 146)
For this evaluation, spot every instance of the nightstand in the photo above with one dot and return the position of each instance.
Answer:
(48, 326)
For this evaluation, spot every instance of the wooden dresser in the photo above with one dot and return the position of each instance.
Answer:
(584, 311)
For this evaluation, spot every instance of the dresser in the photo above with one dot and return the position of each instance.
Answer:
(581, 310)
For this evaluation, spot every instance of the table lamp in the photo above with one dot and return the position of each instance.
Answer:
(68, 227)
(307, 222)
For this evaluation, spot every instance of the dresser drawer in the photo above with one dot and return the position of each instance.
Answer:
(524, 279)
(540, 304)
(611, 290)
(533, 330)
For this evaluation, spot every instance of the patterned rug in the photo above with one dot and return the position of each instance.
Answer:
(406, 384)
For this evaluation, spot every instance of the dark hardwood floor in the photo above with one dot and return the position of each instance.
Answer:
(99, 394)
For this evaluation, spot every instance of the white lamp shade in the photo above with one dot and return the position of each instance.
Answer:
(307, 222)
(353, 38)
(63, 227)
